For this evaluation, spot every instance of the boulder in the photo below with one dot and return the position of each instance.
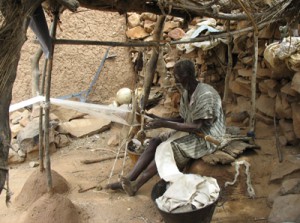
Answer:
(291, 186)
(266, 105)
(282, 210)
(85, 127)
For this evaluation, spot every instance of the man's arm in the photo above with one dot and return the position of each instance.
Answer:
(174, 119)
(184, 127)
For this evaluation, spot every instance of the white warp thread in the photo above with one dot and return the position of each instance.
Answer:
(237, 164)
(115, 114)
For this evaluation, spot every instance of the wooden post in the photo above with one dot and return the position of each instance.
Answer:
(47, 106)
(229, 66)
(152, 63)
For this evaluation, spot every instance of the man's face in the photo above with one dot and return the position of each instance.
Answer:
(179, 79)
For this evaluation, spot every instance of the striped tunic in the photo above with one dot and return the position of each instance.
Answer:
(205, 104)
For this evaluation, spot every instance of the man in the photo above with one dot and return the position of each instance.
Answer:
(200, 112)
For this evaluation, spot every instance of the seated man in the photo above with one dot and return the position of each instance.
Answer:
(200, 112)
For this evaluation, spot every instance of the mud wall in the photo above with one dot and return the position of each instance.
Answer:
(75, 66)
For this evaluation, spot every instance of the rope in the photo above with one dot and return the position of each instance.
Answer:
(237, 164)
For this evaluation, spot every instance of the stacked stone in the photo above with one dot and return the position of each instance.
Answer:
(278, 80)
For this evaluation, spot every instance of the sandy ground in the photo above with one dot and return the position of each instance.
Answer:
(106, 206)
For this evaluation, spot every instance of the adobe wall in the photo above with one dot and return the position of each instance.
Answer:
(75, 66)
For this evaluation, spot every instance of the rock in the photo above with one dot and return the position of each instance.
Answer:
(176, 34)
(14, 158)
(65, 114)
(263, 118)
(15, 129)
(21, 153)
(85, 127)
(148, 16)
(295, 85)
(282, 107)
(239, 116)
(272, 196)
(170, 64)
(240, 86)
(248, 60)
(285, 168)
(296, 118)
(134, 20)
(149, 26)
(24, 120)
(263, 87)
(136, 33)
(291, 186)
(287, 89)
(245, 72)
(113, 140)
(61, 140)
(170, 25)
(15, 116)
(15, 146)
(28, 137)
(33, 164)
(271, 83)
(266, 105)
(33, 154)
(284, 209)
(286, 127)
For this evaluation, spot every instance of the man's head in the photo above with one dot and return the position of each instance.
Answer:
(184, 73)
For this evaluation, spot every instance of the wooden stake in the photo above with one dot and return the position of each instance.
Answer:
(229, 67)
(47, 106)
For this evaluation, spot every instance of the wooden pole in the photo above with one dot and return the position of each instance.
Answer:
(254, 68)
(47, 106)
(41, 136)
(152, 63)
(229, 66)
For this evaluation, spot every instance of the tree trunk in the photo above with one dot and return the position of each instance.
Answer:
(12, 38)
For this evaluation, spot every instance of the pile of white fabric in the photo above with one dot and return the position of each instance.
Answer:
(185, 192)
(189, 192)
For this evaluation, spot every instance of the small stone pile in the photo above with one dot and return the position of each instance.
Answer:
(65, 125)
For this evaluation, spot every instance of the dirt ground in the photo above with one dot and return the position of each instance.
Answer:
(100, 206)
(107, 206)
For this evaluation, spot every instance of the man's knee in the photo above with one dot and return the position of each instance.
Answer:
(155, 141)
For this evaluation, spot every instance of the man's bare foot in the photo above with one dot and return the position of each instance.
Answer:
(128, 186)
(114, 186)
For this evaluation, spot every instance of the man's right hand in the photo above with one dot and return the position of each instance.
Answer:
(154, 124)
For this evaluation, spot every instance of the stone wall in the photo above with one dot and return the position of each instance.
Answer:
(278, 76)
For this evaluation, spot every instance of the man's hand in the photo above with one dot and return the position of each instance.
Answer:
(154, 124)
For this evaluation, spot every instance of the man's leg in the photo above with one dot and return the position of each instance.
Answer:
(131, 187)
(143, 162)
